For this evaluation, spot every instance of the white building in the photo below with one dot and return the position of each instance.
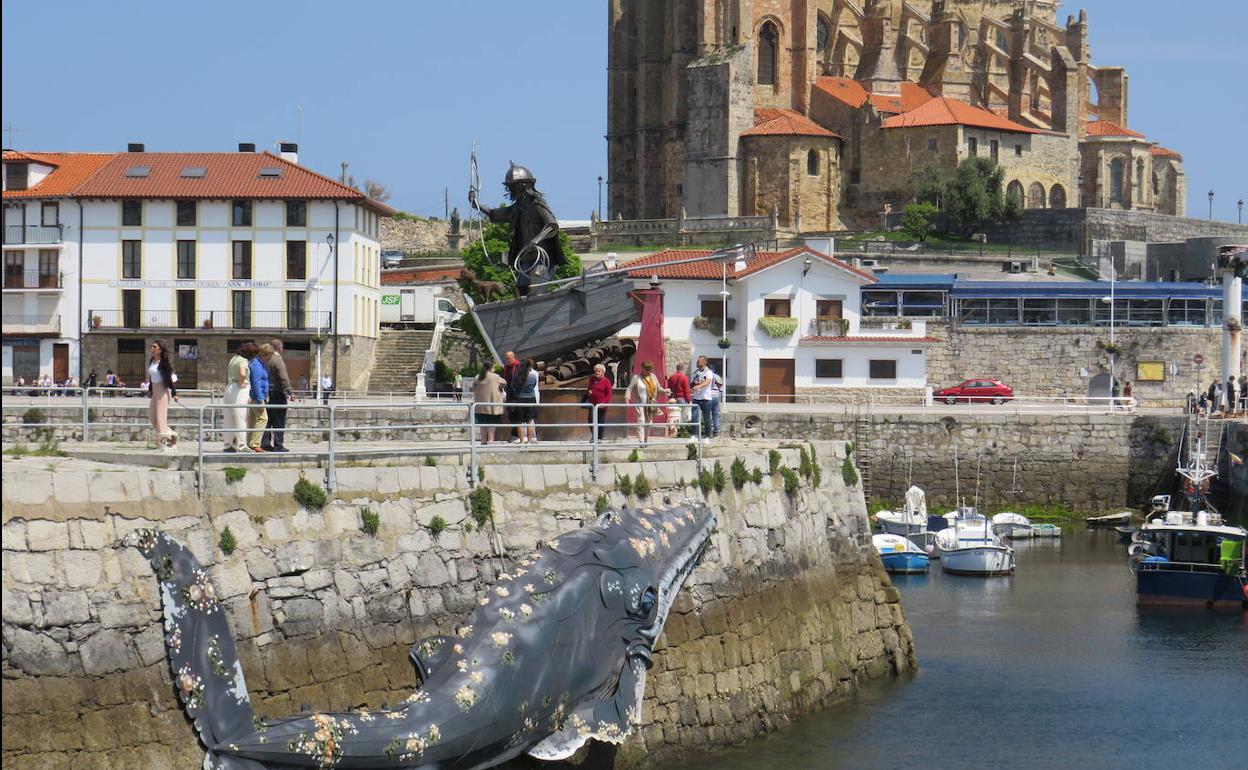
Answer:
(202, 250)
(794, 331)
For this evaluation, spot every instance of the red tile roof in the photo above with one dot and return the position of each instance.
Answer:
(785, 123)
(872, 340)
(712, 270)
(852, 92)
(70, 170)
(1110, 128)
(227, 175)
(944, 111)
(1157, 151)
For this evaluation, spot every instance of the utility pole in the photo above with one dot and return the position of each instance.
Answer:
(446, 203)
(343, 178)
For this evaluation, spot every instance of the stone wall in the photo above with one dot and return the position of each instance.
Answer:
(1068, 228)
(415, 235)
(1237, 475)
(789, 611)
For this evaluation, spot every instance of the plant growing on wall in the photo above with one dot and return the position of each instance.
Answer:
(234, 475)
(773, 461)
(227, 543)
(779, 328)
(791, 481)
(838, 326)
(624, 484)
(370, 521)
(601, 504)
(309, 495)
(641, 486)
(849, 473)
(702, 323)
(739, 473)
(481, 505)
(437, 525)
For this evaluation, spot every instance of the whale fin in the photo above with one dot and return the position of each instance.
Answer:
(610, 720)
(430, 655)
(206, 672)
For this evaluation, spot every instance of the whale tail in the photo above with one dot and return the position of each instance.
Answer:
(206, 671)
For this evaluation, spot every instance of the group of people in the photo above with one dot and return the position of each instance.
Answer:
(45, 385)
(511, 392)
(258, 390)
(1229, 398)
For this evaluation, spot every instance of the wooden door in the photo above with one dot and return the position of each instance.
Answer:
(776, 380)
(60, 362)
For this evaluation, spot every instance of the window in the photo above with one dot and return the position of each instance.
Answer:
(712, 308)
(296, 214)
(241, 214)
(883, 369)
(1018, 151)
(829, 308)
(131, 259)
(50, 214)
(972, 145)
(812, 163)
(14, 265)
(1014, 191)
(778, 308)
(296, 301)
(823, 33)
(296, 260)
(932, 145)
(132, 213)
(186, 308)
(186, 260)
(242, 260)
(1057, 197)
(829, 368)
(187, 213)
(49, 268)
(240, 304)
(131, 307)
(994, 149)
(1035, 196)
(1115, 180)
(1138, 192)
(768, 45)
(16, 176)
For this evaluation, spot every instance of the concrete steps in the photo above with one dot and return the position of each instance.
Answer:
(400, 356)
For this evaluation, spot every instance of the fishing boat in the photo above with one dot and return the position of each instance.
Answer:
(1191, 557)
(1012, 525)
(1109, 520)
(899, 555)
(911, 519)
(972, 547)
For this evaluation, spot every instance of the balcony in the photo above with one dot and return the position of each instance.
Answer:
(209, 320)
(27, 280)
(31, 325)
(901, 328)
(32, 235)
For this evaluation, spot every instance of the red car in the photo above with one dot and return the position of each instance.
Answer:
(978, 390)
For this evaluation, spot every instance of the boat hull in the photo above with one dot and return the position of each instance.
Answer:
(906, 563)
(986, 561)
(1160, 586)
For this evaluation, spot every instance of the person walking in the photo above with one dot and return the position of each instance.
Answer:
(281, 393)
(237, 394)
(327, 387)
(510, 365)
(678, 384)
(598, 391)
(1128, 398)
(1215, 397)
(489, 391)
(160, 390)
(702, 393)
(524, 385)
(643, 393)
(257, 415)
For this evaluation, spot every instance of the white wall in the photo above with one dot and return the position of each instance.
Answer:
(45, 304)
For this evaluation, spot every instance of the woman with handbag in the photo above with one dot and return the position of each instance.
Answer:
(161, 388)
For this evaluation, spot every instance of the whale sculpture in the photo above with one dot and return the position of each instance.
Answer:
(555, 653)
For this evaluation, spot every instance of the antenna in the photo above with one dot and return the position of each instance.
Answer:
(299, 124)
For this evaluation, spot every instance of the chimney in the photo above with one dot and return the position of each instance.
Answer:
(289, 151)
(246, 146)
(135, 147)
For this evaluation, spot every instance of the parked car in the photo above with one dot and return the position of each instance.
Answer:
(977, 390)
(391, 258)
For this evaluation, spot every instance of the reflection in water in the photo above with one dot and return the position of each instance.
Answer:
(1054, 667)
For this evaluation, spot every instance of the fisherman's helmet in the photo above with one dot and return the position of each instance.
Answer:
(519, 175)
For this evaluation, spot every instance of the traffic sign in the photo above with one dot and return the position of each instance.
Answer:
(1198, 359)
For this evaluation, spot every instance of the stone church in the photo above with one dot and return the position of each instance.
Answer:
(820, 110)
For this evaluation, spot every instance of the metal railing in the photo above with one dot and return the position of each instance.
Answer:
(33, 279)
(281, 320)
(15, 235)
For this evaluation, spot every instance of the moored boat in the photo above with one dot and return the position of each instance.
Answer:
(1109, 520)
(1012, 525)
(1046, 530)
(911, 519)
(971, 547)
(899, 555)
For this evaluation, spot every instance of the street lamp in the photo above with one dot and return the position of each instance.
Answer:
(1211, 205)
(1240, 215)
(320, 332)
(600, 198)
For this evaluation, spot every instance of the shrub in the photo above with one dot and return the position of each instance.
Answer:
(757, 476)
(916, 220)
(309, 495)
(773, 461)
(848, 473)
(634, 456)
(430, 461)
(480, 473)
(481, 505)
(227, 543)
(719, 478)
(601, 504)
(706, 482)
(34, 416)
(816, 475)
(739, 474)
(641, 485)
(804, 466)
(443, 373)
(691, 453)
(437, 525)
(369, 521)
(624, 484)
(791, 481)
(233, 475)
(849, 448)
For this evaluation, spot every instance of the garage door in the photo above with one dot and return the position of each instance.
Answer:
(775, 380)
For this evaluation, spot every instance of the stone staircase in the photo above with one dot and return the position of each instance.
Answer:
(399, 357)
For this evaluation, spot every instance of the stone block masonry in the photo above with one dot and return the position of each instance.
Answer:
(1237, 475)
(790, 609)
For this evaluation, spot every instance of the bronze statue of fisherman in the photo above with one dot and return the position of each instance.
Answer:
(534, 251)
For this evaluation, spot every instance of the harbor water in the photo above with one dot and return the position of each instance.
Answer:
(1055, 667)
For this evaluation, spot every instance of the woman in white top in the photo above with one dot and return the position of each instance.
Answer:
(160, 375)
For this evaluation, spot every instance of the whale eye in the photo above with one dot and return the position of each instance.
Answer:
(647, 601)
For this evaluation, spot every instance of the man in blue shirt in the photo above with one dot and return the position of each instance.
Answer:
(257, 413)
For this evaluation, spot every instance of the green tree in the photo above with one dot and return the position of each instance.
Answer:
(916, 220)
(928, 184)
(974, 195)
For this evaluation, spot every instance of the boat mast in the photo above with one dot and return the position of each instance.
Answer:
(978, 459)
(957, 485)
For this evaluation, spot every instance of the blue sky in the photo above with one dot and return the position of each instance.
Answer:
(401, 89)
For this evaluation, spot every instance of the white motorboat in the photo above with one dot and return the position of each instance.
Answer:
(1109, 520)
(1046, 530)
(1012, 525)
(909, 520)
(899, 555)
(971, 547)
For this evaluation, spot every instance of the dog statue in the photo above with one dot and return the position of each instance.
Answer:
(486, 289)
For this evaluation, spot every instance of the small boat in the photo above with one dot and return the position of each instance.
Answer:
(1046, 530)
(899, 555)
(971, 547)
(1012, 525)
(1109, 520)
(909, 520)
